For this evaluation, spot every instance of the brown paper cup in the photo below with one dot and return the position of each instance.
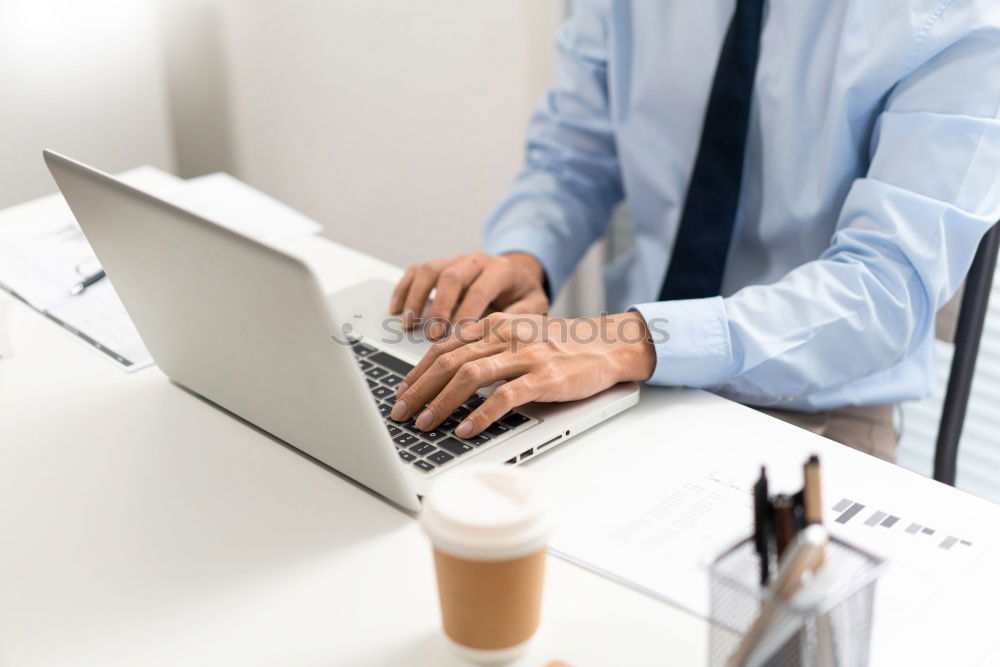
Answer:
(490, 605)
(489, 526)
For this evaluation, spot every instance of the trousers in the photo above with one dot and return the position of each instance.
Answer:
(867, 428)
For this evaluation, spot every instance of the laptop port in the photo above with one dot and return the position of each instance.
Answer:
(548, 442)
(511, 461)
(526, 453)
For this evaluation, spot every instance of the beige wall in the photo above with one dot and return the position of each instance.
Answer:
(395, 124)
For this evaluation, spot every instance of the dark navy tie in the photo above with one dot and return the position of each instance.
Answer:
(706, 227)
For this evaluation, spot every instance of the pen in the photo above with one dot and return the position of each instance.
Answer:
(804, 555)
(813, 495)
(86, 282)
(784, 523)
(762, 525)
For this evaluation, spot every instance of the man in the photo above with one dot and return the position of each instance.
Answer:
(808, 182)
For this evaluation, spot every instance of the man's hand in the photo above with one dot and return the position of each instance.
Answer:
(467, 286)
(543, 359)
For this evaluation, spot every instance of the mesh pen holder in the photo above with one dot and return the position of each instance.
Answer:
(827, 625)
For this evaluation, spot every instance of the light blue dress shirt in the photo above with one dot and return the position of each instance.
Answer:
(872, 172)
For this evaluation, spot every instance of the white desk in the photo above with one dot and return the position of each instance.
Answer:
(141, 526)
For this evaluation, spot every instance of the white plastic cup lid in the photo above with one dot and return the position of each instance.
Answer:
(486, 512)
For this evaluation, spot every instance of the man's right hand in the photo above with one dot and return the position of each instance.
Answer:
(467, 287)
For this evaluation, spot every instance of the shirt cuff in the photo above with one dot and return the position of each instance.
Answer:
(692, 342)
(536, 242)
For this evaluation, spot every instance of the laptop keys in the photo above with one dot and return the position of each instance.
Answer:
(496, 428)
(421, 449)
(440, 457)
(398, 366)
(454, 446)
(405, 439)
(362, 350)
(412, 427)
(411, 442)
(514, 419)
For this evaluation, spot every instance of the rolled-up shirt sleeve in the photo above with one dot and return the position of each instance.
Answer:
(906, 236)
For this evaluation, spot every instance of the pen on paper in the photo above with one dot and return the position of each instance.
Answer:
(86, 282)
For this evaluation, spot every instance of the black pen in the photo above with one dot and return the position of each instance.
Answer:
(762, 525)
(86, 282)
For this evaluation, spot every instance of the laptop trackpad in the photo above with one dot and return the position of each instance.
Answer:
(362, 310)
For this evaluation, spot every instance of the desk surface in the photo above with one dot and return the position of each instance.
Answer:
(143, 526)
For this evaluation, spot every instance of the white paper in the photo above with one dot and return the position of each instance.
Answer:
(42, 255)
(98, 318)
(41, 259)
(657, 523)
(662, 529)
(232, 203)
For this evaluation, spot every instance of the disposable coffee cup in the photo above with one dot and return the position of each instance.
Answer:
(489, 527)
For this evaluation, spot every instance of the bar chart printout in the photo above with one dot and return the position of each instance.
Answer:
(849, 510)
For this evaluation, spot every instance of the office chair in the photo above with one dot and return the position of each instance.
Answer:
(968, 333)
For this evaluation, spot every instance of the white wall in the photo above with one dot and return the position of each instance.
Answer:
(196, 72)
(83, 78)
(395, 124)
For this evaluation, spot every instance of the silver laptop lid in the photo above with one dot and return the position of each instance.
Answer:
(237, 321)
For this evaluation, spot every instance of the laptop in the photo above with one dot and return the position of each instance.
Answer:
(250, 326)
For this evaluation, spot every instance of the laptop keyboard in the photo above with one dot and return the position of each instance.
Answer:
(435, 449)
